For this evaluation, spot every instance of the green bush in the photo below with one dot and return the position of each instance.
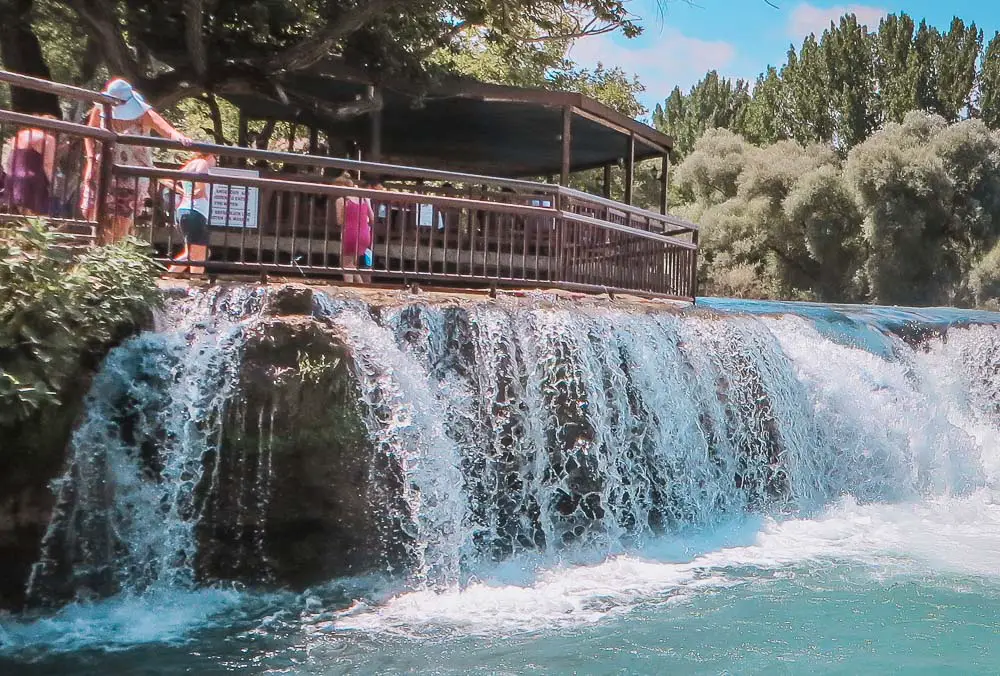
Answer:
(59, 306)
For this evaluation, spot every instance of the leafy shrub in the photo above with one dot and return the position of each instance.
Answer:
(59, 305)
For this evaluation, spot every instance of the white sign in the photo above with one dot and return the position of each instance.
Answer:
(234, 206)
(425, 216)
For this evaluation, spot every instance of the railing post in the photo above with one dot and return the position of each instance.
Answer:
(629, 169)
(104, 178)
(694, 265)
(562, 262)
(375, 130)
(664, 183)
(567, 145)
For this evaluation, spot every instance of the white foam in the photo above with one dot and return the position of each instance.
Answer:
(953, 536)
(121, 622)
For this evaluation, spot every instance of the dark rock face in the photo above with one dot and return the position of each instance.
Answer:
(288, 300)
(293, 501)
(32, 454)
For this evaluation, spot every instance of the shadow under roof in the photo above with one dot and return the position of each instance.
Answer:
(464, 125)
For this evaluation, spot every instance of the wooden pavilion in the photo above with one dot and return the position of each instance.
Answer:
(463, 125)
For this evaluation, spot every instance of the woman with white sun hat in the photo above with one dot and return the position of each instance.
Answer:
(135, 117)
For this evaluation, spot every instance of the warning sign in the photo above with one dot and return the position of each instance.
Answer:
(234, 206)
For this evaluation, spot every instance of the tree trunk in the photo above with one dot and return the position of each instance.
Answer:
(22, 53)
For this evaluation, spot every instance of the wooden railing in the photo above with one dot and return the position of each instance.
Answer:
(433, 226)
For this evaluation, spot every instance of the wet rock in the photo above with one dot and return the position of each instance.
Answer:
(32, 454)
(288, 300)
(294, 500)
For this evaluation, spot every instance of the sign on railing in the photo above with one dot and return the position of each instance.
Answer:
(234, 206)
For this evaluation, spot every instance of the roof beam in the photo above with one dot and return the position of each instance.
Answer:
(596, 119)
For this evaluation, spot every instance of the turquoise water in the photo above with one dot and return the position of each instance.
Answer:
(889, 563)
(877, 589)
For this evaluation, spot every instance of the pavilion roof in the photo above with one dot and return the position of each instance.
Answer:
(462, 124)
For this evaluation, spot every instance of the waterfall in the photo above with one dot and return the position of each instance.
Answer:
(510, 427)
(127, 504)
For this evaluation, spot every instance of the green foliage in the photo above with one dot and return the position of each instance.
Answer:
(712, 102)
(912, 216)
(984, 280)
(57, 307)
(840, 87)
(313, 370)
(929, 193)
(255, 44)
(515, 58)
(989, 85)
(776, 221)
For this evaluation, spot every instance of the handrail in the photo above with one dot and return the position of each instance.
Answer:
(645, 234)
(684, 225)
(69, 91)
(487, 231)
(35, 122)
(376, 168)
(133, 171)
(391, 169)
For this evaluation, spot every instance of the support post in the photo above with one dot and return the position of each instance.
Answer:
(105, 176)
(567, 144)
(375, 144)
(292, 128)
(242, 136)
(607, 181)
(243, 131)
(694, 266)
(664, 183)
(629, 168)
(313, 140)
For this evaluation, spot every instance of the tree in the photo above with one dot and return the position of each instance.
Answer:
(765, 116)
(984, 279)
(821, 205)
(958, 54)
(611, 86)
(848, 54)
(806, 80)
(893, 45)
(176, 49)
(712, 102)
(21, 51)
(931, 199)
(989, 85)
(776, 221)
(921, 68)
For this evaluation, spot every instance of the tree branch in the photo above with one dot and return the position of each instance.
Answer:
(213, 109)
(354, 109)
(263, 137)
(314, 48)
(103, 26)
(194, 11)
(584, 32)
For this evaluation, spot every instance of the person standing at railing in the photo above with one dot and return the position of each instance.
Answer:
(29, 170)
(355, 216)
(135, 117)
(192, 215)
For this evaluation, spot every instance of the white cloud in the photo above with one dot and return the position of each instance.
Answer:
(661, 61)
(806, 18)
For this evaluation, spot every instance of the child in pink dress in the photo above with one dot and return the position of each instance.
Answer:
(355, 216)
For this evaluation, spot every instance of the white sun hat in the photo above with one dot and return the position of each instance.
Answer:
(133, 106)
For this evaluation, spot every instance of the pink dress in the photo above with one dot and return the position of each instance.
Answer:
(357, 234)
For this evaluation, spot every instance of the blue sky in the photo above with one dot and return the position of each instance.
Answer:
(739, 38)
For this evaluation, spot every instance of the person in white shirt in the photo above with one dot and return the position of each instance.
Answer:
(192, 215)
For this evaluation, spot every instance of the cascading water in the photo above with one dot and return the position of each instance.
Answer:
(527, 432)
(127, 505)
